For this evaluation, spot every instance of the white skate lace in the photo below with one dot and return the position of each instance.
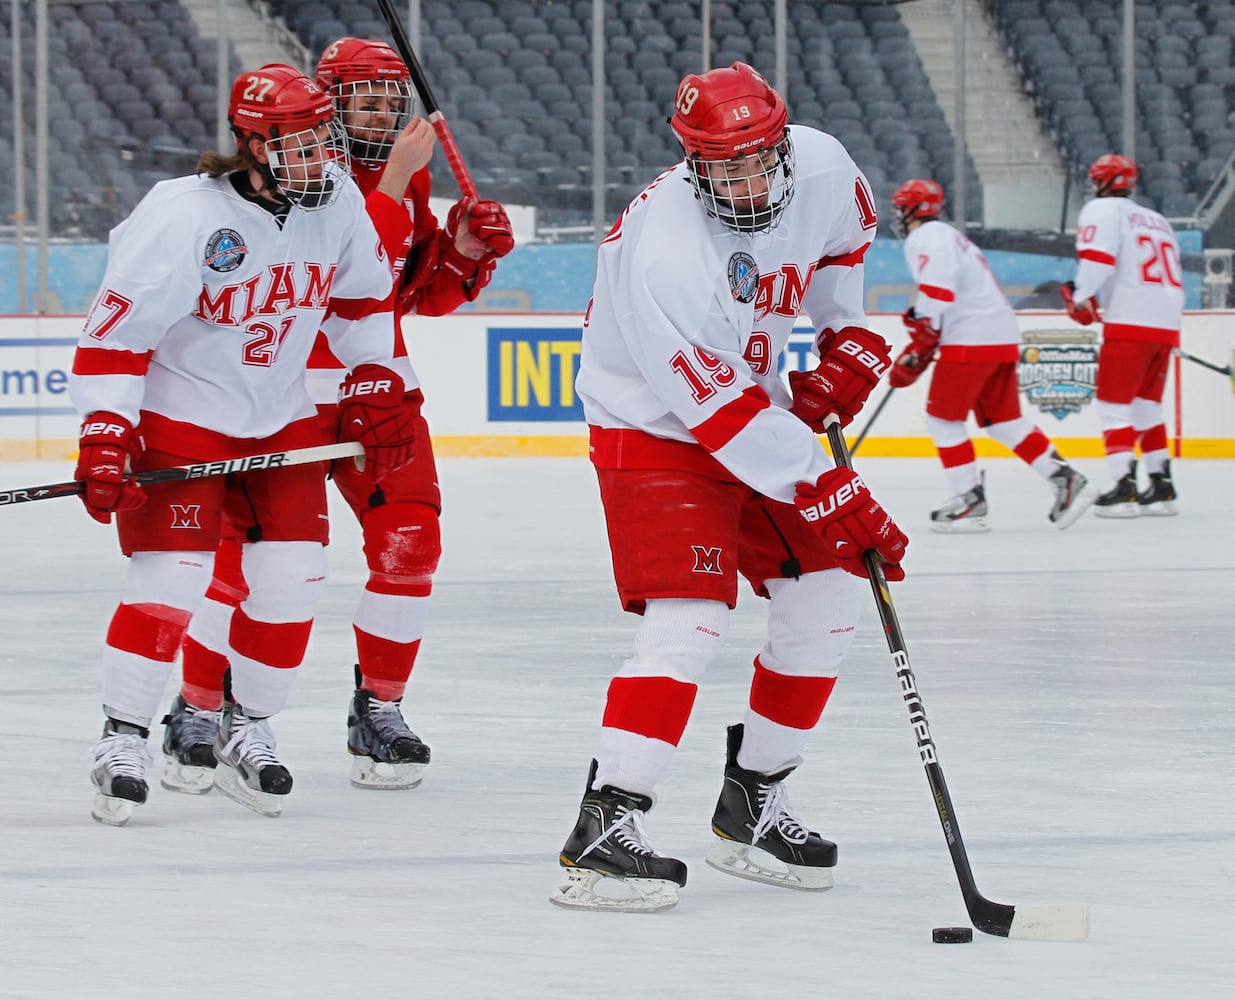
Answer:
(628, 828)
(198, 725)
(776, 812)
(123, 755)
(387, 719)
(255, 740)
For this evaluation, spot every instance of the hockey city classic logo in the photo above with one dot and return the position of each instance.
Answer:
(1058, 370)
(225, 250)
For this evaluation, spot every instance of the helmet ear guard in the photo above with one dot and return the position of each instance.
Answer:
(733, 128)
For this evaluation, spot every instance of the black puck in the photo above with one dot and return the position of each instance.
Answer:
(952, 935)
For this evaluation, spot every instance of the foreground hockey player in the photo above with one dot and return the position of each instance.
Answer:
(195, 350)
(390, 152)
(1128, 267)
(961, 313)
(710, 468)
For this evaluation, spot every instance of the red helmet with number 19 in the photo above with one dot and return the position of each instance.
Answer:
(1113, 175)
(372, 91)
(917, 200)
(733, 128)
(306, 151)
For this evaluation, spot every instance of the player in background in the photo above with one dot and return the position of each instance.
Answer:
(1128, 266)
(437, 269)
(709, 467)
(195, 350)
(961, 314)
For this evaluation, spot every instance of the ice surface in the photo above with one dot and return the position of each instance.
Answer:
(1078, 685)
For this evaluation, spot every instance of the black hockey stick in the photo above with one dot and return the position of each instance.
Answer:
(1054, 922)
(1221, 370)
(873, 417)
(199, 470)
(434, 113)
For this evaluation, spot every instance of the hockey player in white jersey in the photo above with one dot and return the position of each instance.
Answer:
(709, 467)
(962, 315)
(195, 350)
(1128, 276)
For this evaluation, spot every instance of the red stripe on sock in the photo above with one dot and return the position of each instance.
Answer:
(957, 454)
(385, 665)
(276, 644)
(1033, 447)
(796, 702)
(1153, 438)
(1119, 439)
(655, 707)
(203, 675)
(150, 630)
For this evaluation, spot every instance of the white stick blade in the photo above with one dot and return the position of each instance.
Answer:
(1052, 922)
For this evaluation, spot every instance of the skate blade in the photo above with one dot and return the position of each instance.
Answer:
(736, 859)
(370, 773)
(586, 889)
(1080, 503)
(111, 811)
(1120, 511)
(1162, 508)
(229, 782)
(965, 526)
(189, 779)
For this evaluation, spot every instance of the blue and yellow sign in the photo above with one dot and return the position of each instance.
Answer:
(532, 373)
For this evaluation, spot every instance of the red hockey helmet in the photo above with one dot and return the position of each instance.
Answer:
(918, 199)
(1112, 174)
(306, 151)
(372, 91)
(733, 128)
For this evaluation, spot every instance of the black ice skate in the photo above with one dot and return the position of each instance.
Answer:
(753, 814)
(1159, 497)
(609, 849)
(964, 514)
(1121, 499)
(248, 771)
(385, 752)
(1074, 495)
(188, 748)
(121, 758)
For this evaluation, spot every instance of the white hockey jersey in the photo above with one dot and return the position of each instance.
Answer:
(209, 308)
(959, 295)
(1128, 257)
(688, 320)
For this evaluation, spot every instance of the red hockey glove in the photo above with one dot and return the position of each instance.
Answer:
(1085, 312)
(850, 366)
(485, 224)
(917, 356)
(374, 410)
(105, 443)
(852, 522)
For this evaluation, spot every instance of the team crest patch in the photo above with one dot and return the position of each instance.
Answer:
(225, 250)
(743, 277)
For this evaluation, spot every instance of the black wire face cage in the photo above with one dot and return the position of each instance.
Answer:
(310, 166)
(749, 193)
(373, 113)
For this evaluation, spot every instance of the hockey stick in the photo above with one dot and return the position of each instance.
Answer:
(874, 416)
(453, 157)
(199, 470)
(1057, 922)
(1228, 370)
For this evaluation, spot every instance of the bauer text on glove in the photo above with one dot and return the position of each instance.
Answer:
(852, 522)
(851, 364)
(106, 443)
(374, 410)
